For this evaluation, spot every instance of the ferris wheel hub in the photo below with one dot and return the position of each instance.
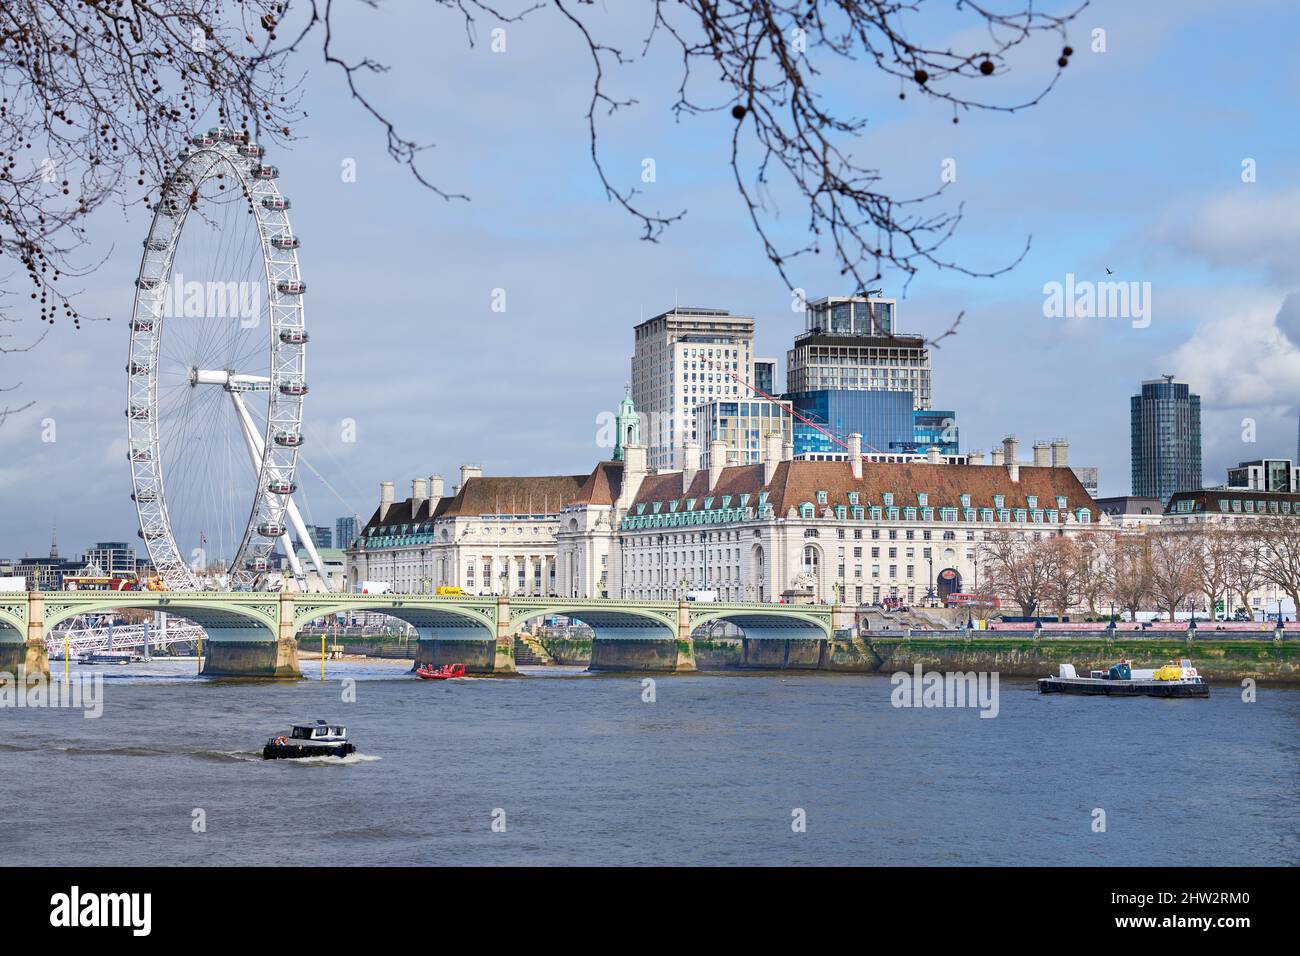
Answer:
(230, 381)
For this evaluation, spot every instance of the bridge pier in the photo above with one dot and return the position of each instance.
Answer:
(249, 651)
(449, 640)
(646, 652)
(24, 655)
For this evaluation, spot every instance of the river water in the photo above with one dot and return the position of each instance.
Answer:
(580, 768)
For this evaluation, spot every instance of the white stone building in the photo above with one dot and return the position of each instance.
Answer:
(848, 531)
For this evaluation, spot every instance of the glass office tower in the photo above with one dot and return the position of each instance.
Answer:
(1166, 439)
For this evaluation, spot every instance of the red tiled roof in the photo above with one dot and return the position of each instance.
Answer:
(796, 482)
(491, 494)
(602, 486)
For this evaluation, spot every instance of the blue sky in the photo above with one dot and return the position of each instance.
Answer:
(1132, 163)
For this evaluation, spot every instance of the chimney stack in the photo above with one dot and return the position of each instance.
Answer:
(469, 471)
(1060, 453)
(771, 455)
(435, 486)
(995, 456)
(787, 450)
(1042, 457)
(419, 494)
(932, 456)
(717, 461)
(975, 458)
(690, 462)
(1010, 448)
(1013, 469)
(385, 498)
(855, 455)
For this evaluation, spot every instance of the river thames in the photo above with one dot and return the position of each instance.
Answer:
(580, 768)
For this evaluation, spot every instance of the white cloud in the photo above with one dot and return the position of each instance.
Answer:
(1247, 358)
(1248, 228)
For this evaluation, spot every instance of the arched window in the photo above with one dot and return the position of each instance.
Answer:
(811, 557)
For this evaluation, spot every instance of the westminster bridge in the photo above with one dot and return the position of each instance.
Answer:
(254, 633)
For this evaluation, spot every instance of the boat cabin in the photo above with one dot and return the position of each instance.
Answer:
(319, 731)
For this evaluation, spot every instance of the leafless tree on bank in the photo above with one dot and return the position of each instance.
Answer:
(1173, 556)
(99, 95)
(1128, 572)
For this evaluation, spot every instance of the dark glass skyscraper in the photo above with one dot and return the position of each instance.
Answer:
(1166, 437)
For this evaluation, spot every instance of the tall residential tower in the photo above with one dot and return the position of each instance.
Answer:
(1166, 439)
(685, 358)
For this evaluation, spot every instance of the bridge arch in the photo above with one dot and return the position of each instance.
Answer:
(254, 620)
(624, 623)
(760, 624)
(13, 615)
(432, 619)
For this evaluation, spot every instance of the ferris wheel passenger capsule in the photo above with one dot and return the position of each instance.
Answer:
(269, 529)
(265, 172)
(276, 202)
(141, 454)
(288, 439)
(293, 336)
(236, 136)
(138, 413)
(286, 241)
(202, 140)
(293, 388)
(256, 564)
(156, 245)
(291, 287)
(142, 324)
(148, 282)
(137, 368)
(281, 487)
(252, 150)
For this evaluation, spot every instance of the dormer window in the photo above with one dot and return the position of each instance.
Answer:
(999, 501)
(1032, 500)
(922, 499)
(889, 499)
(965, 501)
(1060, 503)
(853, 497)
(821, 497)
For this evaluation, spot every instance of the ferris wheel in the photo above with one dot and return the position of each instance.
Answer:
(217, 373)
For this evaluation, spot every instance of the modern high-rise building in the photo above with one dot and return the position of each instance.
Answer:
(345, 531)
(883, 418)
(849, 343)
(765, 375)
(685, 358)
(320, 535)
(1166, 439)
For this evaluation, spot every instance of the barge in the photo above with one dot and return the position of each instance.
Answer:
(1175, 679)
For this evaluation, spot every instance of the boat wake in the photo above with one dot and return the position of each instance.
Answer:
(352, 758)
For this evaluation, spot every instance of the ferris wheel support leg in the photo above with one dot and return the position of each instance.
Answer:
(255, 446)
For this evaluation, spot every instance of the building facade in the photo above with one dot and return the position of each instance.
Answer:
(848, 530)
(1166, 439)
(740, 426)
(682, 359)
(849, 343)
(1265, 474)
